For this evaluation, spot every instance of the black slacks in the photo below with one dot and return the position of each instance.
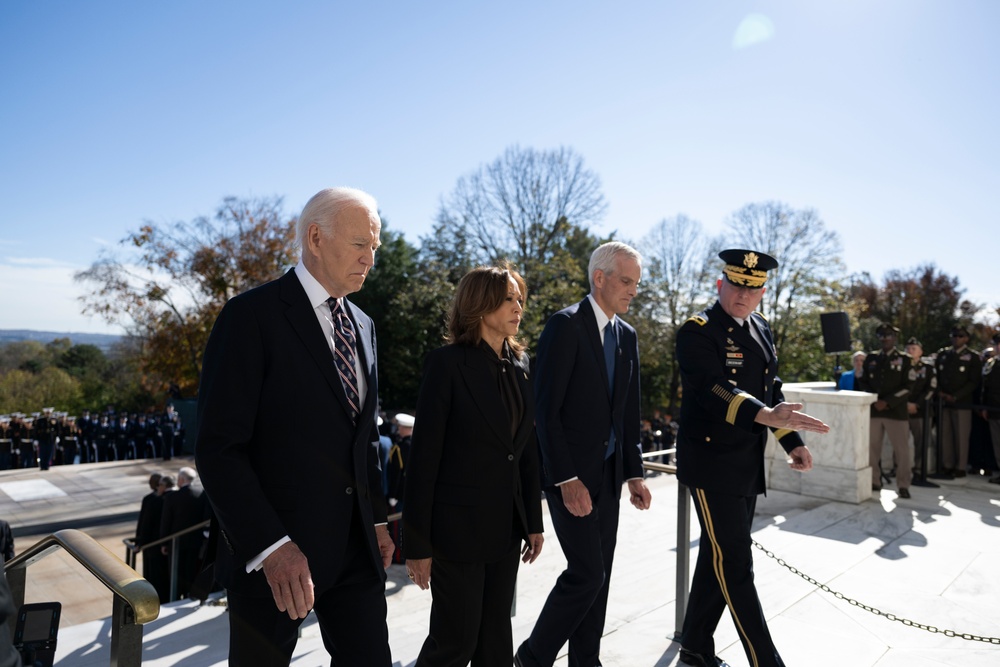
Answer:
(351, 615)
(578, 603)
(723, 577)
(470, 615)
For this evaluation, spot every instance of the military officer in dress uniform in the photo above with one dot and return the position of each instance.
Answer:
(923, 378)
(959, 372)
(731, 396)
(887, 374)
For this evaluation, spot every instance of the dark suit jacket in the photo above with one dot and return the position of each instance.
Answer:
(726, 378)
(147, 528)
(574, 411)
(277, 452)
(468, 480)
(182, 508)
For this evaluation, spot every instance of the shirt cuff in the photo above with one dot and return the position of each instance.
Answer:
(258, 562)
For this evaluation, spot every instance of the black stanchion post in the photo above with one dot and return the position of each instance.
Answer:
(925, 436)
(939, 471)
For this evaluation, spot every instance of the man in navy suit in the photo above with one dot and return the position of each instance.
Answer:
(731, 396)
(288, 448)
(587, 416)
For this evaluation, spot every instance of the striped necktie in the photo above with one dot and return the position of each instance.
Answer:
(345, 352)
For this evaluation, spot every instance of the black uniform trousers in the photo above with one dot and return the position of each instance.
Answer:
(578, 603)
(723, 577)
(470, 615)
(351, 615)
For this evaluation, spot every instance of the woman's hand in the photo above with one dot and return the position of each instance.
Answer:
(532, 548)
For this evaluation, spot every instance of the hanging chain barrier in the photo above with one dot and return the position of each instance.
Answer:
(873, 610)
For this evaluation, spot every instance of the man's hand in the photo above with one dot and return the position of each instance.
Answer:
(532, 548)
(881, 405)
(287, 572)
(911, 408)
(386, 546)
(576, 498)
(787, 415)
(639, 494)
(419, 571)
(801, 459)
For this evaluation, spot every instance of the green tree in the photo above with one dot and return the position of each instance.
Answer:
(805, 284)
(532, 208)
(22, 390)
(921, 302)
(676, 285)
(406, 298)
(167, 283)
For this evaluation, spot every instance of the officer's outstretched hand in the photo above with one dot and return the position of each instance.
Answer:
(787, 415)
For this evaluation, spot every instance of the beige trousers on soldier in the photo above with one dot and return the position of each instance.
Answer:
(898, 431)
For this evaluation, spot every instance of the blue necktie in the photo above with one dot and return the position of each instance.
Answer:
(346, 350)
(610, 349)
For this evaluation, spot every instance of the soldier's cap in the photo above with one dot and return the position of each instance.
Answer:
(959, 330)
(747, 268)
(913, 341)
(47, 409)
(404, 419)
(886, 328)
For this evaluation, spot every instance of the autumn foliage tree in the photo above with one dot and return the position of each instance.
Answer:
(165, 284)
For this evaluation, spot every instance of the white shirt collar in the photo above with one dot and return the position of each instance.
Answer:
(315, 292)
(602, 319)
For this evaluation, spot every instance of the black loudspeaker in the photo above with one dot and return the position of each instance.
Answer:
(836, 332)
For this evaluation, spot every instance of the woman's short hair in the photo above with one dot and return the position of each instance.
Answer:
(480, 292)
(324, 207)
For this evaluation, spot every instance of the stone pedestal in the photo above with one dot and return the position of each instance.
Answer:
(840, 457)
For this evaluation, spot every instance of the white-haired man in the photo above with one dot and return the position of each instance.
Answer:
(288, 448)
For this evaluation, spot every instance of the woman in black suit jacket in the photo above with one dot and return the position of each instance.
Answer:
(473, 493)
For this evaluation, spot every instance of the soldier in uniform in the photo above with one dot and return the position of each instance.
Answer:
(731, 396)
(923, 378)
(887, 374)
(18, 436)
(991, 398)
(103, 435)
(44, 433)
(959, 372)
(69, 434)
(6, 442)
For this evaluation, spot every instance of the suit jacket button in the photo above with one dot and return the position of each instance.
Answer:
(510, 457)
(708, 439)
(349, 490)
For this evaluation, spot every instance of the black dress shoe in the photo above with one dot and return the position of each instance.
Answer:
(698, 660)
(904, 492)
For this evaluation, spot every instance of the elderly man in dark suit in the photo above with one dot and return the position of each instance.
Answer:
(731, 396)
(587, 415)
(288, 448)
(182, 509)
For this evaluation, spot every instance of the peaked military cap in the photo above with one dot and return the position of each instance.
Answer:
(886, 328)
(747, 268)
(913, 341)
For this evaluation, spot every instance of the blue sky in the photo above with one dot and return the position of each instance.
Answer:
(880, 114)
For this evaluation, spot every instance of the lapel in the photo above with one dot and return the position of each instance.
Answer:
(524, 384)
(478, 378)
(739, 335)
(590, 332)
(303, 321)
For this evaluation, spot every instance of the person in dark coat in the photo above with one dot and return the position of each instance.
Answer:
(587, 411)
(182, 509)
(287, 448)
(147, 529)
(472, 501)
(731, 397)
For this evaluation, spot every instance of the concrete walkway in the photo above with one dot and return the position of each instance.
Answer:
(931, 559)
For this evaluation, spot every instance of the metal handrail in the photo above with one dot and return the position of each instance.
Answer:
(173, 539)
(683, 571)
(134, 601)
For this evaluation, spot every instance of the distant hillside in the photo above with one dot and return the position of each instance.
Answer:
(103, 341)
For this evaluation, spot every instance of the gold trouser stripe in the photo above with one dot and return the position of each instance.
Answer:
(734, 406)
(782, 432)
(720, 575)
